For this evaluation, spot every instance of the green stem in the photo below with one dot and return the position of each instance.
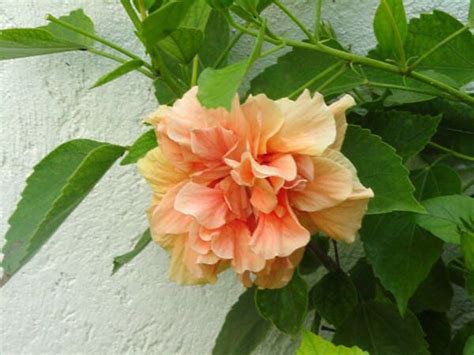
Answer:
(141, 6)
(121, 60)
(294, 19)
(227, 49)
(272, 50)
(317, 20)
(336, 253)
(313, 80)
(439, 45)
(98, 39)
(404, 88)
(131, 14)
(332, 79)
(325, 259)
(354, 58)
(452, 152)
(194, 74)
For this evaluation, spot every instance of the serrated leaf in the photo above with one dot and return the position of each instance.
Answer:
(436, 283)
(310, 262)
(121, 70)
(121, 260)
(311, 344)
(243, 328)
(27, 42)
(298, 69)
(455, 59)
(434, 181)
(57, 185)
(140, 147)
(448, 216)
(438, 332)
(379, 329)
(401, 253)
(380, 168)
(390, 28)
(408, 133)
(334, 297)
(217, 87)
(285, 307)
(364, 280)
(78, 19)
(467, 245)
(182, 44)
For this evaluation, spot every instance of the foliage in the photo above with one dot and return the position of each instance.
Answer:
(410, 138)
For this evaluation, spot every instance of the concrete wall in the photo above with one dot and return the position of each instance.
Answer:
(65, 300)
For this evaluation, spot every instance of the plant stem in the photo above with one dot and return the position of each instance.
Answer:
(98, 39)
(141, 6)
(317, 19)
(405, 88)
(227, 49)
(272, 50)
(354, 58)
(336, 253)
(452, 152)
(437, 46)
(121, 60)
(313, 80)
(295, 20)
(131, 14)
(194, 74)
(325, 259)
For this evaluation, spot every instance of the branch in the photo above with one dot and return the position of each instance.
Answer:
(452, 152)
(325, 259)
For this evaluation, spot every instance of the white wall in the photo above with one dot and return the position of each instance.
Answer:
(64, 300)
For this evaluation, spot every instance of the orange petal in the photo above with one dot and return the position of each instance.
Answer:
(203, 203)
(212, 143)
(236, 198)
(278, 235)
(332, 185)
(265, 119)
(338, 109)
(263, 196)
(164, 219)
(309, 126)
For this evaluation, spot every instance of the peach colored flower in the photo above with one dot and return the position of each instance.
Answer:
(246, 188)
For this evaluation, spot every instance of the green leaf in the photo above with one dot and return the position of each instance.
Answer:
(216, 39)
(460, 340)
(182, 44)
(58, 184)
(438, 331)
(455, 59)
(243, 328)
(310, 262)
(163, 92)
(147, 141)
(447, 216)
(390, 27)
(27, 42)
(469, 347)
(471, 14)
(467, 245)
(334, 297)
(121, 260)
(401, 253)
(437, 283)
(379, 329)
(121, 70)
(298, 69)
(217, 87)
(78, 19)
(408, 133)
(311, 344)
(380, 168)
(286, 307)
(364, 280)
(434, 181)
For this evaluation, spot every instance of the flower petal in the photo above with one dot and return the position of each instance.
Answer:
(338, 109)
(263, 196)
(331, 185)
(205, 204)
(212, 143)
(309, 126)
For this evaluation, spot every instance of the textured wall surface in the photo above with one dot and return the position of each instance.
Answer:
(65, 300)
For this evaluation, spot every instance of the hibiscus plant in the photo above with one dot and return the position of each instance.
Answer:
(327, 148)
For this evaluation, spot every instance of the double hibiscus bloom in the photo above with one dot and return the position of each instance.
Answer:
(247, 188)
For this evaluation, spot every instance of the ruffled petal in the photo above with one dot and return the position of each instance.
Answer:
(309, 126)
(338, 109)
(205, 204)
(263, 196)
